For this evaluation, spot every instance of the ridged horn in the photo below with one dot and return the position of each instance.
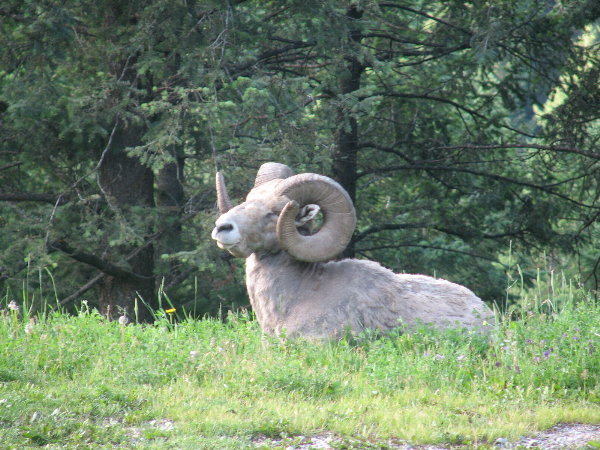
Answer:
(223, 202)
(339, 217)
(272, 171)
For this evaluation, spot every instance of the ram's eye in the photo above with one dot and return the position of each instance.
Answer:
(268, 218)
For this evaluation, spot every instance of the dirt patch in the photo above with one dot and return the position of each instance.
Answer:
(562, 436)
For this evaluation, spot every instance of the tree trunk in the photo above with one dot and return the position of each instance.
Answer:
(169, 201)
(344, 167)
(128, 185)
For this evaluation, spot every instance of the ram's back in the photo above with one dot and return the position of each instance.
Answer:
(327, 299)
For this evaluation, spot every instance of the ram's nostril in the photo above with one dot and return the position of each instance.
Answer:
(225, 227)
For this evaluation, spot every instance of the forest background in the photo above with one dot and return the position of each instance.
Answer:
(467, 134)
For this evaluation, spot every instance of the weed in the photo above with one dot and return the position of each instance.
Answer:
(81, 380)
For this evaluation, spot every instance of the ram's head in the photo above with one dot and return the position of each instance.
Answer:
(278, 215)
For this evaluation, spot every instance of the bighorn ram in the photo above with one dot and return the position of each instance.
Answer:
(292, 287)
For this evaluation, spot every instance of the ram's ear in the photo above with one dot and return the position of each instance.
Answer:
(306, 214)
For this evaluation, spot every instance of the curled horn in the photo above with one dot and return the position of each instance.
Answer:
(339, 217)
(223, 202)
(272, 171)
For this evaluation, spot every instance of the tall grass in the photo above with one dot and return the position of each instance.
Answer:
(82, 381)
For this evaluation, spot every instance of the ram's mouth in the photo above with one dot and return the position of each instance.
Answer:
(234, 249)
(225, 240)
(226, 246)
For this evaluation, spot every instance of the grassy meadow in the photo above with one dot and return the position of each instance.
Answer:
(80, 381)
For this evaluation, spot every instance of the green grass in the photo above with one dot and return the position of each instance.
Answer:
(82, 381)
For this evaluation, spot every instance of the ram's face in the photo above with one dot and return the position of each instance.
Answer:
(252, 226)
(279, 214)
(248, 228)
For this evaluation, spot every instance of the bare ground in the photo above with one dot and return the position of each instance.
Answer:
(561, 436)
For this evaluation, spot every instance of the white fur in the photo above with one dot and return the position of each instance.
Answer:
(324, 300)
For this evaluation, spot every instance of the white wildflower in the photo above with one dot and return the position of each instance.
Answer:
(123, 320)
(13, 306)
(29, 328)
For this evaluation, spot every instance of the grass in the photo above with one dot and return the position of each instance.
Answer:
(82, 381)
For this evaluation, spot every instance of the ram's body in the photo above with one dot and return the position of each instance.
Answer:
(300, 295)
(326, 299)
